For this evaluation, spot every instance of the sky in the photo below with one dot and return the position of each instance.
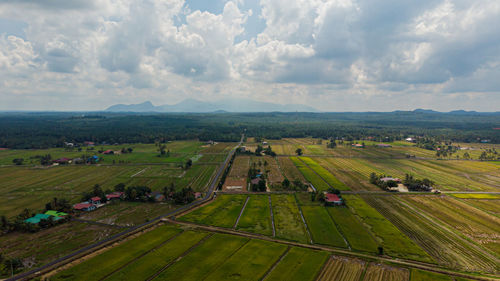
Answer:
(334, 55)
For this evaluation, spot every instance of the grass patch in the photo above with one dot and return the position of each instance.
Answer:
(395, 243)
(99, 266)
(421, 275)
(310, 175)
(325, 174)
(475, 196)
(299, 264)
(356, 234)
(256, 217)
(155, 260)
(250, 262)
(204, 258)
(223, 212)
(321, 226)
(287, 219)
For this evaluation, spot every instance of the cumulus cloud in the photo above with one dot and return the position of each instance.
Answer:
(332, 54)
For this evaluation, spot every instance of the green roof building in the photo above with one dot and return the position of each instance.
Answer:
(55, 213)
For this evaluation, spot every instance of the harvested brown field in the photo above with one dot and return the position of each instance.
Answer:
(271, 168)
(342, 268)
(382, 272)
(235, 184)
(240, 167)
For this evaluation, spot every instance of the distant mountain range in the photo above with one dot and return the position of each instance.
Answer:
(227, 105)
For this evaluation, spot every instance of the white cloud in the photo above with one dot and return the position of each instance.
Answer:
(333, 54)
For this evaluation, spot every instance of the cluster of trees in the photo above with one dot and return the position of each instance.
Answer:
(18, 161)
(44, 130)
(376, 180)
(417, 184)
(181, 197)
(267, 151)
(331, 144)
(60, 205)
(296, 185)
(96, 191)
(10, 266)
(17, 223)
(255, 173)
(489, 154)
(162, 149)
(260, 186)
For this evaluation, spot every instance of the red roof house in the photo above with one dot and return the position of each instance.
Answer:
(63, 160)
(386, 179)
(84, 207)
(114, 195)
(333, 199)
(95, 200)
(255, 181)
(197, 195)
(109, 151)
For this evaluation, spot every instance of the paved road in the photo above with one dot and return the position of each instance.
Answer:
(401, 262)
(208, 195)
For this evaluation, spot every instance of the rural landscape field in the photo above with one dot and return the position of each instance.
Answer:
(250, 140)
(259, 211)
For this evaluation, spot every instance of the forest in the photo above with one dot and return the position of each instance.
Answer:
(24, 130)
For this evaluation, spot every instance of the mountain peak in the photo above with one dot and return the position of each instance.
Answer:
(225, 105)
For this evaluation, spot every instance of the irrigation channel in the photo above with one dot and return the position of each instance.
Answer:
(83, 251)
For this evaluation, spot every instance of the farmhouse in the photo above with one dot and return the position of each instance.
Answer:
(89, 143)
(386, 179)
(63, 160)
(255, 181)
(114, 196)
(96, 200)
(38, 217)
(158, 196)
(93, 159)
(332, 199)
(109, 151)
(358, 145)
(410, 140)
(384, 145)
(197, 195)
(84, 206)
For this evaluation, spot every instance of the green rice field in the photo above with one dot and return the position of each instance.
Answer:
(256, 217)
(287, 219)
(118, 257)
(322, 227)
(171, 253)
(394, 242)
(223, 212)
(298, 264)
(359, 238)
